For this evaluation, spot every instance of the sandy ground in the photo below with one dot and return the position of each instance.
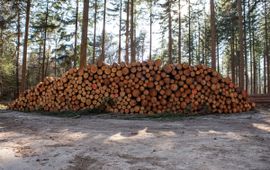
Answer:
(238, 141)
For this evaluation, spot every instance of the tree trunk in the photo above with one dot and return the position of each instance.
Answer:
(218, 66)
(39, 59)
(23, 81)
(250, 50)
(151, 29)
(43, 74)
(267, 47)
(103, 31)
(264, 73)
(259, 79)
(47, 64)
(95, 32)
(170, 34)
(245, 49)
(76, 32)
(241, 46)
(179, 31)
(127, 34)
(199, 45)
(55, 69)
(213, 35)
(232, 58)
(189, 33)
(120, 25)
(18, 49)
(84, 34)
(1, 44)
(132, 41)
(255, 87)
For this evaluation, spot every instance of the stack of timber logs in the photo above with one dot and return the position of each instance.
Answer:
(140, 87)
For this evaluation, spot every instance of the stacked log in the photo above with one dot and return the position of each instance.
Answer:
(141, 87)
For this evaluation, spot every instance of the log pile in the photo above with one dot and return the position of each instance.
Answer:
(140, 87)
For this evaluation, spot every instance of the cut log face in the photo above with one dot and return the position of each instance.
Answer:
(144, 88)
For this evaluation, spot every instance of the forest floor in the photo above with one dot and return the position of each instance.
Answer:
(237, 141)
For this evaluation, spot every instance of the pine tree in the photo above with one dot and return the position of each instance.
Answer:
(23, 81)
(84, 34)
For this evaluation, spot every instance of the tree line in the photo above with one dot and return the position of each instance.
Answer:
(40, 38)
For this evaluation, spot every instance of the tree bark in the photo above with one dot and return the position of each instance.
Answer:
(255, 87)
(232, 58)
(132, 40)
(151, 29)
(170, 33)
(199, 45)
(189, 33)
(18, 48)
(250, 49)
(120, 25)
(23, 81)
(179, 31)
(55, 68)
(76, 32)
(1, 45)
(103, 31)
(213, 35)
(43, 73)
(217, 47)
(241, 46)
(245, 49)
(267, 57)
(84, 34)
(127, 34)
(95, 32)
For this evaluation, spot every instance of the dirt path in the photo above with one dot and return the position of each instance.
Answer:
(239, 141)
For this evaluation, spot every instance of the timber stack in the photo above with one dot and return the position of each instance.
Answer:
(141, 87)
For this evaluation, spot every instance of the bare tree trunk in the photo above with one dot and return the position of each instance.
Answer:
(151, 29)
(232, 58)
(95, 32)
(120, 25)
(179, 31)
(103, 32)
(18, 49)
(127, 34)
(241, 46)
(23, 82)
(76, 32)
(213, 35)
(47, 65)
(84, 34)
(245, 49)
(1, 44)
(264, 73)
(199, 45)
(250, 50)
(255, 87)
(189, 33)
(218, 66)
(170, 34)
(259, 79)
(267, 57)
(43, 73)
(55, 69)
(40, 56)
(132, 41)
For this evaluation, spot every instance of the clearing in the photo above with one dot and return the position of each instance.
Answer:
(237, 141)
